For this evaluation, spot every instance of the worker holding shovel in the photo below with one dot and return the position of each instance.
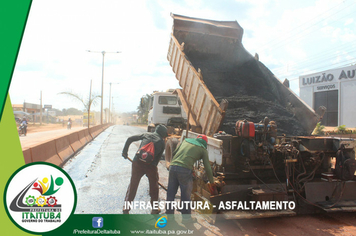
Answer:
(145, 163)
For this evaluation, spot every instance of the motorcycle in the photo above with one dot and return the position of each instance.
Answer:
(69, 125)
(22, 129)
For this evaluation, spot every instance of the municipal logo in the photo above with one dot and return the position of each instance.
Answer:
(98, 222)
(161, 222)
(39, 197)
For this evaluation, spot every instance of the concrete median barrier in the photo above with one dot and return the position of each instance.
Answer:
(87, 135)
(99, 129)
(27, 155)
(74, 141)
(94, 131)
(82, 137)
(63, 147)
(46, 152)
(59, 150)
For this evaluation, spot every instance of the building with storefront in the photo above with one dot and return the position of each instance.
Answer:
(336, 90)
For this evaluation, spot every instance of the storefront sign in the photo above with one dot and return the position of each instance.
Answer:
(325, 87)
(337, 75)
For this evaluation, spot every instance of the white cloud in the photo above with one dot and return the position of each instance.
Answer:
(349, 21)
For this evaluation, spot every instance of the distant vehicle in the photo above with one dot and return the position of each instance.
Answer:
(23, 128)
(91, 118)
(18, 120)
(69, 124)
(166, 109)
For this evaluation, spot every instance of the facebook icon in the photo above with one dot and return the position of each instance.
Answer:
(98, 222)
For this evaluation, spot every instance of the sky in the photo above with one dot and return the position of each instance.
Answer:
(292, 38)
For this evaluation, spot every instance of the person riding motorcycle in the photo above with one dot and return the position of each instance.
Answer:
(69, 124)
(23, 126)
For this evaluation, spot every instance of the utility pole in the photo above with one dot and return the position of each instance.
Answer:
(41, 109)
(89, 105)
(102, 83)
(110, 101)
(112, 107)
(102, 90)
(110, 104)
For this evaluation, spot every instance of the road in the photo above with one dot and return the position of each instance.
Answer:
(101, 174)
(101, 177)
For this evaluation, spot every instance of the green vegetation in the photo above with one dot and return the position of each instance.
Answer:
(66, 112)
(144, 108)
(87, 103)
(319, 129)
(343, 130)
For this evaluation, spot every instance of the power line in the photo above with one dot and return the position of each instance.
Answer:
(315, 69)
(327, 54)
(311, 31)
(308, 27)
(326, 59)
(297, 65)
(332, 8)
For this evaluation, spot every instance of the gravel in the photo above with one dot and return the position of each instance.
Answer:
(247, 84)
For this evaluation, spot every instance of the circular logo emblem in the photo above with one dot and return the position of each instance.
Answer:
(39, 197)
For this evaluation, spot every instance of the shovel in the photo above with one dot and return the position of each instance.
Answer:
(158, 182)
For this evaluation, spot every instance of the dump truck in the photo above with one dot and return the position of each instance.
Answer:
(252, 161)
(165, 108)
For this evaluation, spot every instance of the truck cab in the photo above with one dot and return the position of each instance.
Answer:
(166, 109)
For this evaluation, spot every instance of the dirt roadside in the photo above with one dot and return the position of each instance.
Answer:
(33, 128)
(37, 134)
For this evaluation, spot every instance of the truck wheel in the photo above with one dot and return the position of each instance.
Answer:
(171, 145)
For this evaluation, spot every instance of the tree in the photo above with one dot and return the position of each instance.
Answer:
(74, 111)
(58, 112)
(86, 102)
(144, 108)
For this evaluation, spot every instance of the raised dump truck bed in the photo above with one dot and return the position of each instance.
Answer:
(205, 114)
(208, 58)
